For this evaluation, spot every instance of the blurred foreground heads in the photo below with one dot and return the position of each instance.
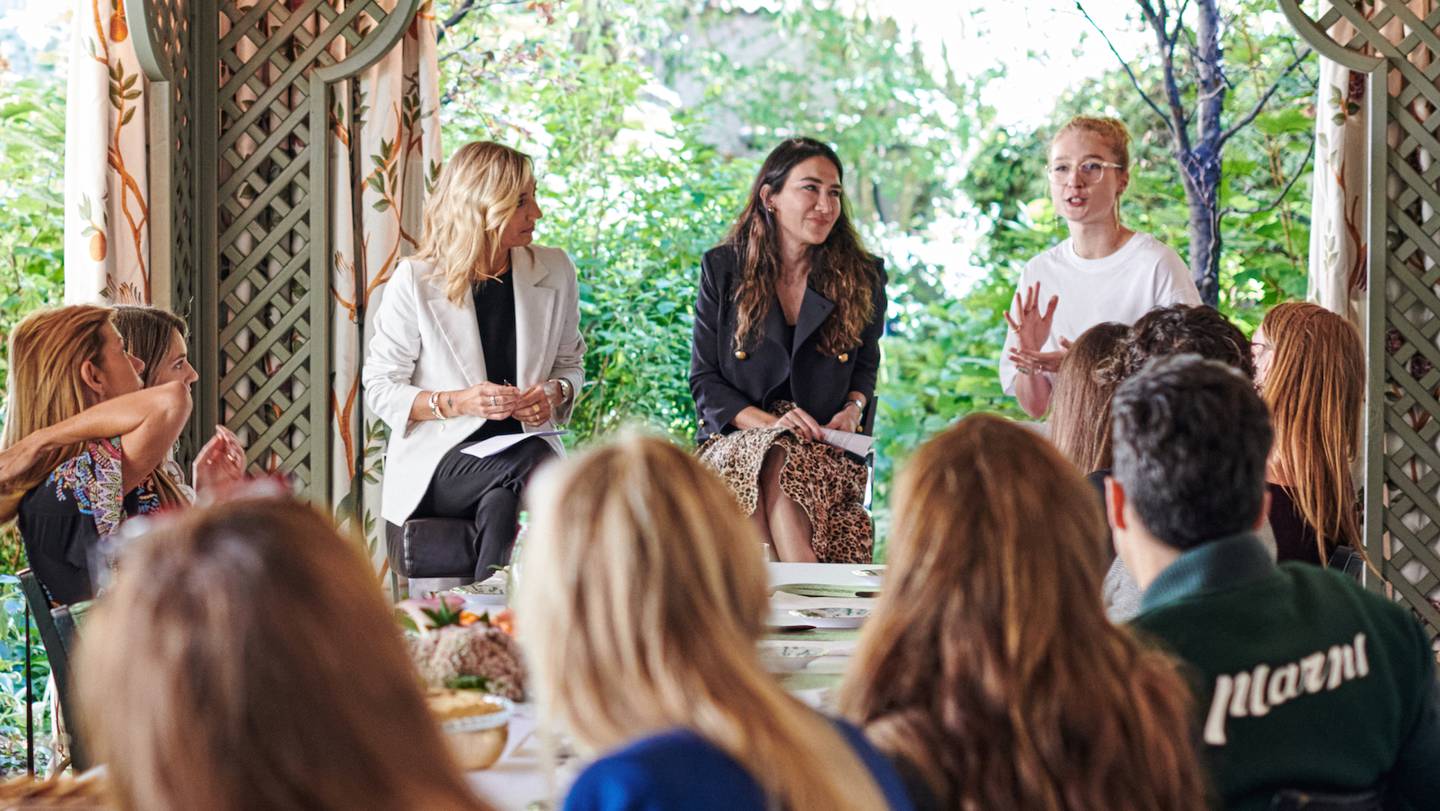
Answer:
(245, 659)
(641, 602)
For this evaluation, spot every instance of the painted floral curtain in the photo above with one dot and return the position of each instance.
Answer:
(386, 154)
(107, 216)
(1339, 274)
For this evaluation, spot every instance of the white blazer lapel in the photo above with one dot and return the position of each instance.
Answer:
(534, 317)
(457, 325)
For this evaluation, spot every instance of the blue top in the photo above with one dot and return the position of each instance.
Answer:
(681, 771)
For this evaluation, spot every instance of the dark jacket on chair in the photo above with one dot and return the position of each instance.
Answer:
(725, 378)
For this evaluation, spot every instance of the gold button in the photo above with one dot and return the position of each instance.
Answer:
(740, 354)
(844, 357)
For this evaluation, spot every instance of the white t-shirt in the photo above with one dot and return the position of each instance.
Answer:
(1123, 286)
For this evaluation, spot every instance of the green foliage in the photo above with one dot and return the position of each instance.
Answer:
(12, 682)
(32, 118)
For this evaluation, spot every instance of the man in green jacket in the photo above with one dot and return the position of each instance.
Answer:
(1304, 682)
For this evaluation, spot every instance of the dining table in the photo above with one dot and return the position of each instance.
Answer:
(816, 611)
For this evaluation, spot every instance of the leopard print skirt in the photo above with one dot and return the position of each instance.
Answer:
(826, 483)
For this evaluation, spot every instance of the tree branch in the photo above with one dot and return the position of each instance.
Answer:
(1264, 99)
(1285, 192)
(456, 15)
(1134, 80)
(1157, 22)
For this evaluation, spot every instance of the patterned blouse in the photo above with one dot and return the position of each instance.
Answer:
(64, 518)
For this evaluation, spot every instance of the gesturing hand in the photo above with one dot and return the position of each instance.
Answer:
(1030, 362)
(492, 401)
(1033, 326)
(797, 420)
(220, 463)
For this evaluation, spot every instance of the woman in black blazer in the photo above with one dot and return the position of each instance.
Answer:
(786, 346)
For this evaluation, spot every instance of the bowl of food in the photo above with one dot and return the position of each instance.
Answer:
(476, 725)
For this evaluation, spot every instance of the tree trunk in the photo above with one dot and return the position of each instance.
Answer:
(1202, 166)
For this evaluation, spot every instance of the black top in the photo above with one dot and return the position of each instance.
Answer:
(725, 379)
(495, 316)
(785, 335)
(1294, 538)
(64, 518)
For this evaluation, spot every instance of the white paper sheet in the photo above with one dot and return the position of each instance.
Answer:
(858, 444)
(496, 444)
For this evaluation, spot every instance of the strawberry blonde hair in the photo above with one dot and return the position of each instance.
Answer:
(1315, 389)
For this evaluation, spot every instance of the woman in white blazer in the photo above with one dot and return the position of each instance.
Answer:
(475, 336)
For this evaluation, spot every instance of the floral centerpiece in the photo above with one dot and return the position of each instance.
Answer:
(458, 649)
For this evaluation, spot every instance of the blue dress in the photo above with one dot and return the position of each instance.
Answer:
(681, 771)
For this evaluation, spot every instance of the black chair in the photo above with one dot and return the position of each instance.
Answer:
(432, 554)
(57, 632)
(1297, 800)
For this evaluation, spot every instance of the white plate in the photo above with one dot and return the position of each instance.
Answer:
(832, 617)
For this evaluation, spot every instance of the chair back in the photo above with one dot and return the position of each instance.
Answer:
(57, 632)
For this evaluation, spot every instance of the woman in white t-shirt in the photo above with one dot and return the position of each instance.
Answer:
(1103, 272)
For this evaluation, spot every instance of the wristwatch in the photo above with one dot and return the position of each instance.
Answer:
(567, 389)
(858, 403)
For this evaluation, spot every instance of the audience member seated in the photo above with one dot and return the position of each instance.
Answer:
(1162, 332)
(1305, 681)
(1310, 365)
(640, 610)
(476, 335)
(988, 669)
(156, 338)
(1080, 406)
(787, 343)
(71, 482)
(245, 659)
(1103, 271)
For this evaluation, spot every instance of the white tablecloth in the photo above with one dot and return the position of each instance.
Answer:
(518, 778)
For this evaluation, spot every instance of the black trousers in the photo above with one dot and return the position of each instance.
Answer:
(486, 491)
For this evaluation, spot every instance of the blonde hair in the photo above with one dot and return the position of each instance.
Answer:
(1315, 389)
(1111, 130)
(1080, 406)
(989, 664)
(245, 659)
(642, 600)
(474, 198)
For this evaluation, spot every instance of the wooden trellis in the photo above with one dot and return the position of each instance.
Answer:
(1395, 45)
(243, 111)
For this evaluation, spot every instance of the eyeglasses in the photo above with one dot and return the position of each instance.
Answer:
(1089, 171)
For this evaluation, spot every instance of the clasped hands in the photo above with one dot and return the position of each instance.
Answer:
(497, 401)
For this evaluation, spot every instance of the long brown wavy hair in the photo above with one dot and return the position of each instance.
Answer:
(1315, 389)
(274, 675)
(989, 664)
(841, 269)
(1080, 406)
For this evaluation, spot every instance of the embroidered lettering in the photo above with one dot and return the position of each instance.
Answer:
(1284, 684)
(1257, 691)
(1215, 720)
(1253, 693)
(1313, 666)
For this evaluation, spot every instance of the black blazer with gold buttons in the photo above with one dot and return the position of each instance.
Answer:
(724, 378)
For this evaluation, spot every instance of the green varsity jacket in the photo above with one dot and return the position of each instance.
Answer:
(1303, 680)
